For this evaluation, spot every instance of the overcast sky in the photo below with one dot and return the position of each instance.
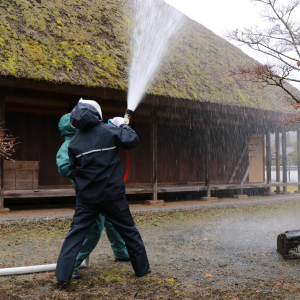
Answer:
(222, 15)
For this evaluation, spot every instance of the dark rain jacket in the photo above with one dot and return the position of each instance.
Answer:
(95, 164)
(62, 157)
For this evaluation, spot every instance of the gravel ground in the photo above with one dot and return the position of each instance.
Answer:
(216, 252)
(50, 212)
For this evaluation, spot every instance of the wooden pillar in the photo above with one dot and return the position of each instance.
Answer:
(154, 155)
(2, 124)
(277, 159)
(298, 155)
(207, 159)
(284, 160)
(268, 160)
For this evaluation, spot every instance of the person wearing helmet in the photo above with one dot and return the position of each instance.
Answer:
(94, 234)
(95, 167)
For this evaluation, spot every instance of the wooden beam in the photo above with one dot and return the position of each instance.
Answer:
(154, 155)
(241, 113)
(268, 158)
(298, 154)
(2, 125)
(239, 163)
(58, 193)
(252, 161)
(284, 160)
(207, 160)
(277, 145)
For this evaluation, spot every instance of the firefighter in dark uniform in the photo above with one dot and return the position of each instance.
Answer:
(95, 167)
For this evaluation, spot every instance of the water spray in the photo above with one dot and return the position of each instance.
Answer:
(155, 25)
(128, 115)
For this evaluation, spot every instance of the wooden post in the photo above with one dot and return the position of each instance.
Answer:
(154, 155)
(298, 155)
(268, 160)
(2, 124)
(277, 160)
(207, 160)
(284, 160)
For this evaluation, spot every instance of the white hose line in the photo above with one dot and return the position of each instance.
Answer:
(40, 268)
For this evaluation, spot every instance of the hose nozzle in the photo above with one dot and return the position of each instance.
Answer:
(128, 115)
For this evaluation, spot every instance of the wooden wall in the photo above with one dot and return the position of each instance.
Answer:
(181, 153)
(40, 140)
(181, 150)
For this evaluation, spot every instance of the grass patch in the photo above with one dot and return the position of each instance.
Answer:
(43, 286)
(290, 188)
(106, 281)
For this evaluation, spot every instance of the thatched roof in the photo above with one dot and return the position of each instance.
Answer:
(86, 42)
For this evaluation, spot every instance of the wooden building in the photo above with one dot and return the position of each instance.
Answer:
(199, 130)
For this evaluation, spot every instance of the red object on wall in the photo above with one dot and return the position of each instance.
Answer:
(127, 168)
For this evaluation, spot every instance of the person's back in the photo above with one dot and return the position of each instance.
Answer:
(95, 166)
(93, 237)
(95, 163)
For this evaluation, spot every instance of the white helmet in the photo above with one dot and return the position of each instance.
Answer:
(94, 103)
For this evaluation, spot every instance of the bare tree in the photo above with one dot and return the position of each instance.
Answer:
(281, 41)
(7, 144)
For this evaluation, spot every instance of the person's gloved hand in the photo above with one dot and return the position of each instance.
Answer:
(117, 121)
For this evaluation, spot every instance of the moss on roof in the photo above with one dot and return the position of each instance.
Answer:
(86, 42)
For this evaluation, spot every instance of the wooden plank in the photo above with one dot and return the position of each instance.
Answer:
(39, 194)
(132, 191)
(35, 179)
(284, 160)
(55, 187)
(9, 175)
(298, 154)
(55, 193)
(154, 155)
(24, 165)
(9, 185)
(32, 165)
(178, 189)
(252, 147)
(238, 163)
(2, 124)
(137, 185)
(24, 180)
(24, 185)
(268, 158)
(207, 160)
(278, 159)
(251, 163)
(129, 185)
(24, 175)
(9, 180)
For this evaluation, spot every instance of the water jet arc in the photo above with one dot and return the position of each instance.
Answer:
(155, 25)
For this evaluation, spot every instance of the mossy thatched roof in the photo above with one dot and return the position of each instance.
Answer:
(86, 42)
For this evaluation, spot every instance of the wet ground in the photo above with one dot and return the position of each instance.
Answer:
(221, 252)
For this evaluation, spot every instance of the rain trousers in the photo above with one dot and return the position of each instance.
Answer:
(94, 234)
(95, 166)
